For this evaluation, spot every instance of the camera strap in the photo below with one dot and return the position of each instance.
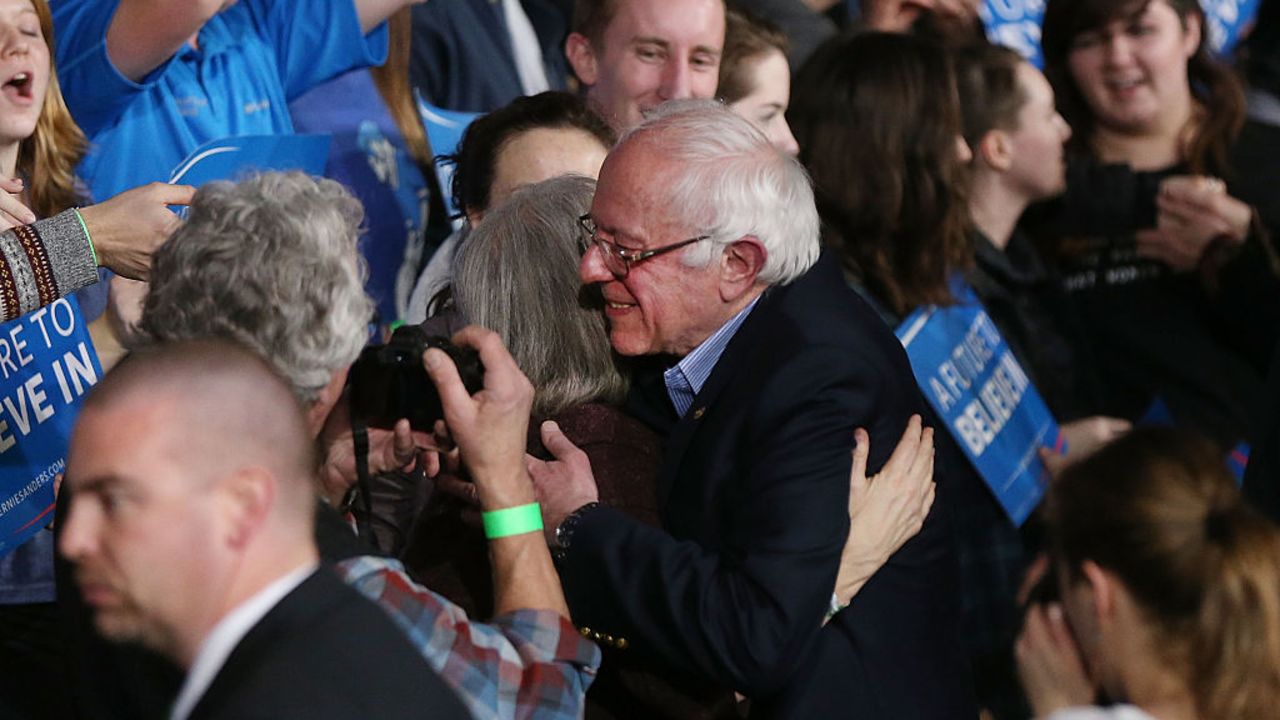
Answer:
(364, 514)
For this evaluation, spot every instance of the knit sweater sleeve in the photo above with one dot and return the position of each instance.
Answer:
(42, 262)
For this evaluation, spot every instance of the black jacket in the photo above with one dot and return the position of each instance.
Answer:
(753, 496)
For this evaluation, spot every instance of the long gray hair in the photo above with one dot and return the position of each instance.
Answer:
(518, 276)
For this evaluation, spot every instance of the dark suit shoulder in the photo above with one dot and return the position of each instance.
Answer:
(325, 652)
(819, 308)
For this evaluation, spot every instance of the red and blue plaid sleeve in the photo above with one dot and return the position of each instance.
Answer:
(526, 664)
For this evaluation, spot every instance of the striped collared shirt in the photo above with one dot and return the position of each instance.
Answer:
(685, 379)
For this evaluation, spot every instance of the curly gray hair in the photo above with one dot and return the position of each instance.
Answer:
(270, 261)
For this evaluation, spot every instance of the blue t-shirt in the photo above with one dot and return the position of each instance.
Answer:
(254, 57)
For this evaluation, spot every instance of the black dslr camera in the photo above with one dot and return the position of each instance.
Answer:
(388, 381)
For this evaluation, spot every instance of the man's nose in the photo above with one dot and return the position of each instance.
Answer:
(78, 538)
(676, 80)
(592, 268)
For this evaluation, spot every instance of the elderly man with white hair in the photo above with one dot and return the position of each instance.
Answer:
(703, 239)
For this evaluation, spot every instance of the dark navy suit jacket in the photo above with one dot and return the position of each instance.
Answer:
(753, 494)
(461, 57)
(325, 652)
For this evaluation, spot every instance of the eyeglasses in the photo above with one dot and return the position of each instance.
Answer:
(618, 259)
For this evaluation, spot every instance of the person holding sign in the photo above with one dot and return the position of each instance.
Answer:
(1161, 593)
(1184, 311)
(48, 249)
(1017, 138)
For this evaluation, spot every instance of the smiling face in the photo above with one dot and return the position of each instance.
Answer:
(24, 70)
(1036, 151)
(141, 530)
(1132, 72)
(766, 105)
(652, 51)
(662, 305)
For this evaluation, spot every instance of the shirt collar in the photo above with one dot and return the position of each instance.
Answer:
(224, 637)
(696, 367)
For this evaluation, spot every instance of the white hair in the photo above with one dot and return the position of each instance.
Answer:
(730, 182)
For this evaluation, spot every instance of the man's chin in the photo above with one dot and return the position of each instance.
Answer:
(118, 625)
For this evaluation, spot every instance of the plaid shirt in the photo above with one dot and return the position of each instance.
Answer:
(525, 664)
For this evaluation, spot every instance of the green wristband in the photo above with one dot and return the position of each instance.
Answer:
(512, 521)
(88, 237)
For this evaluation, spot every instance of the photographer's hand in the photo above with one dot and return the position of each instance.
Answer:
(490, 429)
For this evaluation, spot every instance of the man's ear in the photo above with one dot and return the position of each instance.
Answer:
(246, 498)
(582, 58)
(996, 150)
(740, 264)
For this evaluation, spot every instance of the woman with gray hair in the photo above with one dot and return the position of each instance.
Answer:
(517, 275)
(518, 278)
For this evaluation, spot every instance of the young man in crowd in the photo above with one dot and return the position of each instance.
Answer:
(633, 55)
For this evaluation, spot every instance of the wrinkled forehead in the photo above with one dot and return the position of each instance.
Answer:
(633, 193)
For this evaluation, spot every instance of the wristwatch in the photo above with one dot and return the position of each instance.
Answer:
(564, 531)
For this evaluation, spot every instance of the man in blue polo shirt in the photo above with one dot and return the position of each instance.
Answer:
(151, 80)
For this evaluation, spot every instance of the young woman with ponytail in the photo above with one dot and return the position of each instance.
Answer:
(1169, 586)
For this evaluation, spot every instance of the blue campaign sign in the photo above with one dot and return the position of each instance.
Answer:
(47, 364)
(1017, 23)
(444, 132)
(232, 157)
(1228, 20)
(971, 378)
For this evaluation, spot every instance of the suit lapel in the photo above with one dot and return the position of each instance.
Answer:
(722, 374)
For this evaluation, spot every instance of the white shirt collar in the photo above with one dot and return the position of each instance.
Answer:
(224, 637)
